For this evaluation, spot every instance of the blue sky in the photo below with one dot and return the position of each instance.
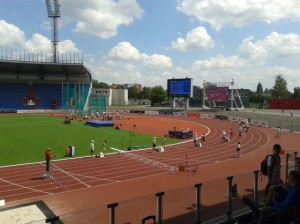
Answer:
(150, 41)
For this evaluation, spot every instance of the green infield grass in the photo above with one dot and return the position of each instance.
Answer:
(24, 139)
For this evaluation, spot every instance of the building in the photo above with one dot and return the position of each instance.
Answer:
(114, 97)
(138, 87)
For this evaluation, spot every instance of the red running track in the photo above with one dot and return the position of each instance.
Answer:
(24, 181)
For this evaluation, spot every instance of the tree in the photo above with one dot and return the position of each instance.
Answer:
(209, 84)
(280, 88)
(157, 95)
(254, 98)
(259, 89)
(134, 93)
(99, 85)
(296, 93)
(146, 92)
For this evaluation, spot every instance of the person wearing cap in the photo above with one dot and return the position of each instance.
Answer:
(154, 143)
(92, 148)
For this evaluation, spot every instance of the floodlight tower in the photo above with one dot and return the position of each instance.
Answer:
(54, 15)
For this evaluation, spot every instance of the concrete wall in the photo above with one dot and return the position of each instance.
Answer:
(114, 97)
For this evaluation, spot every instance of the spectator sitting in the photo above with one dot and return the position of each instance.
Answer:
(279, 196)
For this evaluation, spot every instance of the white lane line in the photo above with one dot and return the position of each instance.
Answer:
(21, 186)
(71, 175)
(92, 177)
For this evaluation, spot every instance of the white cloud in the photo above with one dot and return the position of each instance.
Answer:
(275, 45)
(116, 72)
(67, 46)
(198, 38)
(38, 43)
(11, 36)
(156, 61)
(252, 51)
(42, 44)
(100, 18)
(220, 62)
(239, 13)
(282, 44)
(124, 51)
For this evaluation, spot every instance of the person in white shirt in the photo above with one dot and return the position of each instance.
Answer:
(154, 143)
(92, 148)
(238, 149)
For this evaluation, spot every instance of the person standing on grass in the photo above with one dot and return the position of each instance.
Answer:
(163, 142)
(92, 148)
(238, 149)
(154, 143)
(104, 146)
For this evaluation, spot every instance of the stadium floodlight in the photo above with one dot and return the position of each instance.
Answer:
(54, 15)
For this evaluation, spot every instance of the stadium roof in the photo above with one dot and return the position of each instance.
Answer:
(19, 70)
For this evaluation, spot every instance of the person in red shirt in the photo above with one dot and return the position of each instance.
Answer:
(48, 157)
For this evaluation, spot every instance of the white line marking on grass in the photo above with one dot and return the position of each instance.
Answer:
(28, 188)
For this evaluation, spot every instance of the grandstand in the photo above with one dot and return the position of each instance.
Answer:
(33, 83)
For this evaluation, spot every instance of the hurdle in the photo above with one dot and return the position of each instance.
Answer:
(190, 166)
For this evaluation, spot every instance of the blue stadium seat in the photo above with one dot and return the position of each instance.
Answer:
(13, 95)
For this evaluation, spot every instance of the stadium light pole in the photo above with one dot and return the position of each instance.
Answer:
(203, 98)
(54, 15)
(232, 83)
(294, 80)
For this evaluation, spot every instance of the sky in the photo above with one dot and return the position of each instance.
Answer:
(149, 41)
